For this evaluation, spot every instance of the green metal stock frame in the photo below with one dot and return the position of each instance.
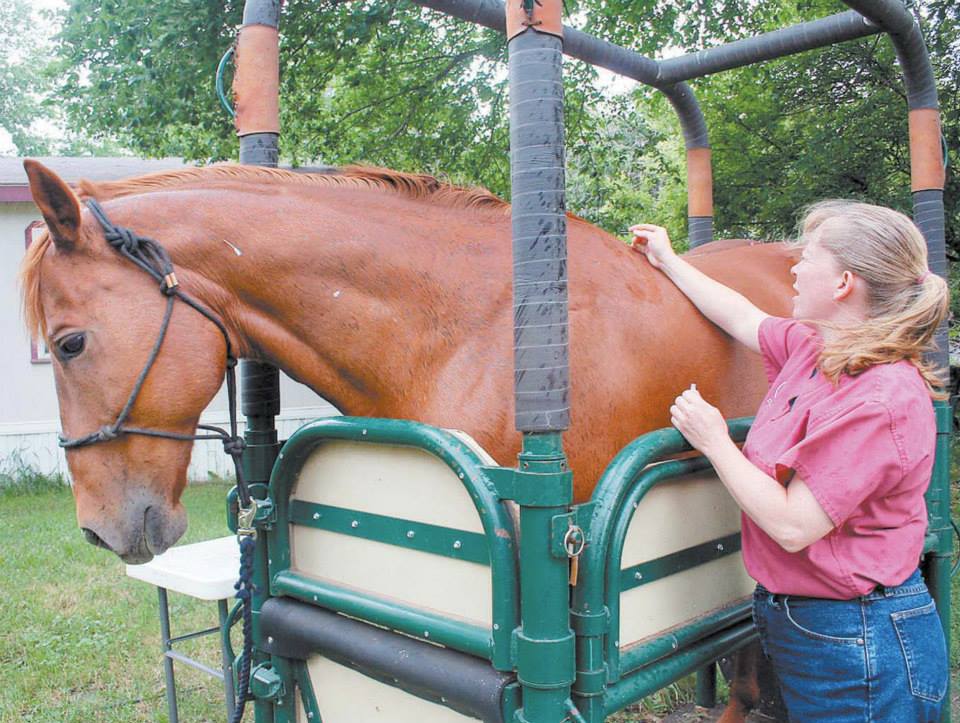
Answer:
(500, 549)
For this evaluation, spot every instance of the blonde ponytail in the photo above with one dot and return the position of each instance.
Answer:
(906, 302)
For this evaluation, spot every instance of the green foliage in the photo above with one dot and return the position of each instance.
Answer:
(393, 84)
(18, 476)
(21, 87)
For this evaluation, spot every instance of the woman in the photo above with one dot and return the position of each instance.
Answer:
(832, 475)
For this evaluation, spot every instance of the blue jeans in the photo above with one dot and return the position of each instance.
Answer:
(879, 657)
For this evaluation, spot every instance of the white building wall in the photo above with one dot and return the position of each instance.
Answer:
(29, 419)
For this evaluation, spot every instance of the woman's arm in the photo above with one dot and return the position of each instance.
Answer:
(790, 515)
(726, 308)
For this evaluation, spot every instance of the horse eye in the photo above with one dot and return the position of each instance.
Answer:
(71, 346)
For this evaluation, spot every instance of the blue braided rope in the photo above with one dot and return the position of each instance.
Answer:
(244, 588)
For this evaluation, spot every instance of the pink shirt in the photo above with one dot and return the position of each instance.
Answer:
(865, 449)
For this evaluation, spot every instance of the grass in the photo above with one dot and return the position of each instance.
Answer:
(80, 641)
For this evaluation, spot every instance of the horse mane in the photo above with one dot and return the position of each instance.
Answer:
(419, 186)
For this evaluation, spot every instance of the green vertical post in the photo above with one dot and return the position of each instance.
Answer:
(938, 561)
(707, 686)
(544, 643)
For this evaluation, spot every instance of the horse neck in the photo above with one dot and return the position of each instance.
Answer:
(361, 296)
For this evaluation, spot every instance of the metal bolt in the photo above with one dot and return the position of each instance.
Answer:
(310, 715)
(457, 544)
(316, 515)
(461, 475)
(426, 633)
(638, 575)
(720, 547)
(410, 534)
(363, 432)
(496, 626)
(354, 524)
(269, 640)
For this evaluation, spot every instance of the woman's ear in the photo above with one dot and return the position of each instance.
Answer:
(58, 205)
(846, 286)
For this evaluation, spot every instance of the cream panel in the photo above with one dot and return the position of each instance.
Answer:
(674, 516)
(455, 588)
(346, 696)
(660, 605)
(387, 480)
(680, 514)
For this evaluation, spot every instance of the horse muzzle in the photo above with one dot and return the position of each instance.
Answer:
(149, 531)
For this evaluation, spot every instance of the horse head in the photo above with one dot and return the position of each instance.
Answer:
(101, 316)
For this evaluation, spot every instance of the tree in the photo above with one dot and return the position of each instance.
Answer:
(21, 86)
(393, 84)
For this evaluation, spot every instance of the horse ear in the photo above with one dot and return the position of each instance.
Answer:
(58, 204)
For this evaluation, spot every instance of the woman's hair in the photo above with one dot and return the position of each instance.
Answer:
(906, 301)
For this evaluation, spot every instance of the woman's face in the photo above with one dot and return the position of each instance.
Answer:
(817, 279)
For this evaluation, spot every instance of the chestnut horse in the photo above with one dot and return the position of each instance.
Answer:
(389, 294)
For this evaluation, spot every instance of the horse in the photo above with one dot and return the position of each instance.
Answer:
(387, 293)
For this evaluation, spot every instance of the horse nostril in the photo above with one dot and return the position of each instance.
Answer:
(94, 539)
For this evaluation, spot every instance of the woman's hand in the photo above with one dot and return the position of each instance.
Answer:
(653, 242)
(699, 422)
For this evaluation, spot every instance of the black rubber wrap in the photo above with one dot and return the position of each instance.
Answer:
(469, 685)
(262, 12)
(541, 368)
(894, 18)
(699, 230)
(929, 216)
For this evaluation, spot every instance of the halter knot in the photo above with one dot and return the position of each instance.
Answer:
(108, 432)
(234, 446)
(123, 239)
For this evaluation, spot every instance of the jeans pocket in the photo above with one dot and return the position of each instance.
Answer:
(924, 650)
(827, 621)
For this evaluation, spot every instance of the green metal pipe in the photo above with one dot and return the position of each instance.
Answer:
(643, 654)
(544, 643)
(389, 613)
(652, 678)
(494, 517)
(706, 696)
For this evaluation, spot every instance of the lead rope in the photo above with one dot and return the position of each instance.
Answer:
(153, 259)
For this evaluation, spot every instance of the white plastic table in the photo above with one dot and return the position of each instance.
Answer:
(204, 570)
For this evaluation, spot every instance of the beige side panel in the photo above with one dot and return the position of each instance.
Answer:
(399, 482)
(346, 696)
(674, 516)
(387, 480)
(453, 587)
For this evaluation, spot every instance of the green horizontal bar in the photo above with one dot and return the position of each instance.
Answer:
(421, 536)
(679, 561)
(652, 678)
(642, 654)
(386, 612)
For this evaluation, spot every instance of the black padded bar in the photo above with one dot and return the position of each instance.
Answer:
(893, 18)
(538, 212)
(469, 685)
(580, 45)
(777, 44)
(699, 230)
(928, 214)
(262, 12)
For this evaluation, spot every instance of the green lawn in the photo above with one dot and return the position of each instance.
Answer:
(80, 641)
